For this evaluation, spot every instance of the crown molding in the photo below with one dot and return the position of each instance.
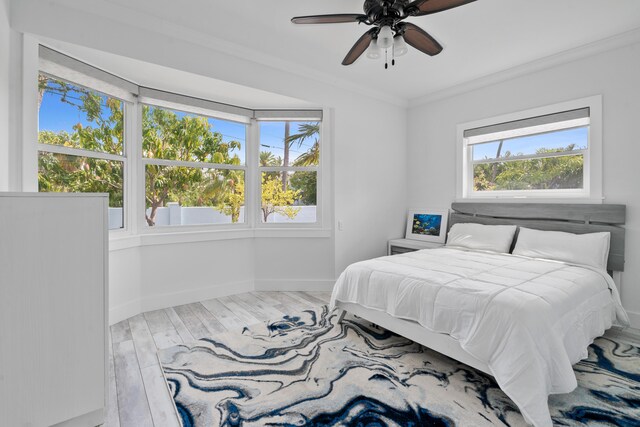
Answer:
(566, 56)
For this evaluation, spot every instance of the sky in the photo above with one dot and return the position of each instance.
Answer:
(60, 116)
(529, 144)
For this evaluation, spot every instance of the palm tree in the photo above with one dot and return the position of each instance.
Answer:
(268, 159)
(306, 131)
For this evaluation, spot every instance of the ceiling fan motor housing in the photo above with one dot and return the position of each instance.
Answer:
(385, 12)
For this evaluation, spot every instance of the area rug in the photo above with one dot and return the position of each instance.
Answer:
(308, 369)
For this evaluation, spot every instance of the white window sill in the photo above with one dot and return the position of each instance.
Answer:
(120, 241)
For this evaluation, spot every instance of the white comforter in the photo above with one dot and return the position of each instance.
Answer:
(529, 320)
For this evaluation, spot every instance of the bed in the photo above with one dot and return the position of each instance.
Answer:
(521, 319)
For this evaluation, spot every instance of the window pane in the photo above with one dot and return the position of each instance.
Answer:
(550, 173)
(75, 174)
(190, 196)
(289, 197)
(77, 117)
(289, 143)
(550, 142)
(176, 135)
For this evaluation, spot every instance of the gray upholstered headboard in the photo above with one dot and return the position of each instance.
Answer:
(572, 218)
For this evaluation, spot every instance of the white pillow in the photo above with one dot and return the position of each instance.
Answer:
(496, 238)
(589, 249)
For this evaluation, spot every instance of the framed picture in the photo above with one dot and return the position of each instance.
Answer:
(427, 224)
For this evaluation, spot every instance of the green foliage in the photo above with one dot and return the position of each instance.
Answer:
(234, 196)
(545, 173)
(62, 173)
(275, 199)
(306, 185)
(170, 136)
(307, 131)
(165, 135)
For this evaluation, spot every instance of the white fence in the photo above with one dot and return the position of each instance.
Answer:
(175, 214)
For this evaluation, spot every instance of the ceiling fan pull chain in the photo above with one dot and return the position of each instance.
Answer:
(393, 55)
(386, 59)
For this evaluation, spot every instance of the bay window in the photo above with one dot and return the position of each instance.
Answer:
(169, 160)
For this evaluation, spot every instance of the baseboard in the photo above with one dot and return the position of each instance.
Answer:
(634, 319)
(94, 418)
(170, 299)
(156, 302)
(124, 311)
(294, 285)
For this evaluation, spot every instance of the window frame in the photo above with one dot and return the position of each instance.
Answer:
(592, 185)
(79, 152)
(153, 102)
(316, 168)
(135, 232)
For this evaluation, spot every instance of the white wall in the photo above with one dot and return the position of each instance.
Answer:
(5, 53)
(368, 159)
(614, 74)
(125, 278)
(186, 272)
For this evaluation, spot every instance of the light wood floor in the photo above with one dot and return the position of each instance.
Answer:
(137, 392)
(138, 395)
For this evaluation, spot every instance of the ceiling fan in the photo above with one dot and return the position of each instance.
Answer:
(389, 31)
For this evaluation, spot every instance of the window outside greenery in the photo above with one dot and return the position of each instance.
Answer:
(199, 140)
(546, 161)
(194, 166)
(79, 122)
(289, 160)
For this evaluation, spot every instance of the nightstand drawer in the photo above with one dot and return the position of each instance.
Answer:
(395, 250)
(401, 246)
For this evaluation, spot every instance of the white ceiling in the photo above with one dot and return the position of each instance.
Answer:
(479, 39)
(182, 82)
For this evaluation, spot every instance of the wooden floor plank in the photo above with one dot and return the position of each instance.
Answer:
(269, 312)
(192, 322)
(225, 316)
(121, 332)
(207, 319)
(133, 406)
(158, 321)
(160, 402)
(247, 317)
(177, 322)
(143, 341)
(167, 339)
(323, 296)
(113, 417)
(267, 297)
(312, 298)
(304, 299)
(292, 305)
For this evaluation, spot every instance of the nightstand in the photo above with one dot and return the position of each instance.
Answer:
(400, 246)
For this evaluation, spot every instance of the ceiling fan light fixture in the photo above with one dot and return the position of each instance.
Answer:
(385, 37)
(386, 19)
(373, 52)
(399, 46)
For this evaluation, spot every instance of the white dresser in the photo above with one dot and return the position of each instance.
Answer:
(53, 313)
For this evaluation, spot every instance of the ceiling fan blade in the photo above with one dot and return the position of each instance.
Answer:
(420, 39)
(329, 19)
(358, 49)
(427, 7)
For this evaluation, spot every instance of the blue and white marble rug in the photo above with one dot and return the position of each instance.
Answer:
(308, 370)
